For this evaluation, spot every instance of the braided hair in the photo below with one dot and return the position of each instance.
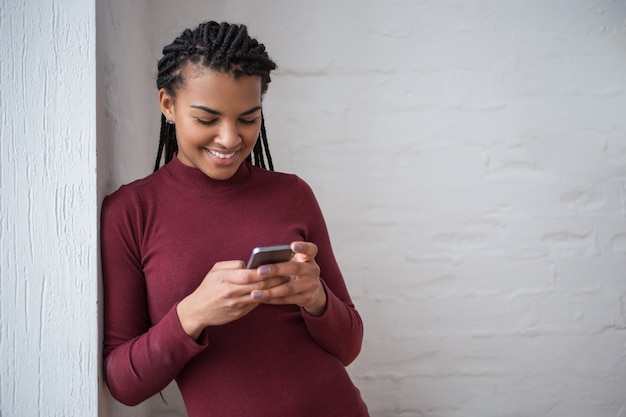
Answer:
(222, 47)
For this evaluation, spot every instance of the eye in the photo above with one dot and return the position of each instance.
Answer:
(249, 121)
(206, 122)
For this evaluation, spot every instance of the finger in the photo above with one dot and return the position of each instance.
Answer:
(305, 251)
(233, 272)
(269, 283)
(250, 279)
(298, 299)
(225, 265)
(291, 289)
(294, 269)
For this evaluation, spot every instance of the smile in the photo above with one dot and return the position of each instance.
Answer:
(222, 155)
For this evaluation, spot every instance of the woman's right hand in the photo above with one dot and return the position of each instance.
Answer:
(222, 297)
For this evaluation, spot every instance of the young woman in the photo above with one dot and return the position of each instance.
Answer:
(178, 300)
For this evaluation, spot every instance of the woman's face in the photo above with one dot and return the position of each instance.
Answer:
(217, 120)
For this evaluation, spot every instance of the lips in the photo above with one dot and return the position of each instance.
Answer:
(223, 158)
(222, 155)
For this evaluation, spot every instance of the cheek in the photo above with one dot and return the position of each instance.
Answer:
(251, 133)
(192, 134)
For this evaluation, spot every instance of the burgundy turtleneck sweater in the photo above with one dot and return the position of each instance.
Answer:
(160, 237)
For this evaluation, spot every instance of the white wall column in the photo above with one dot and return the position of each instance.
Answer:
(48, 209)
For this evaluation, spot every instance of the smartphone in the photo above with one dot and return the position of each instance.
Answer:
(269, 255)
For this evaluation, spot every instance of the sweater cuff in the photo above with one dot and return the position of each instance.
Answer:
(331, 306)
(171, 324)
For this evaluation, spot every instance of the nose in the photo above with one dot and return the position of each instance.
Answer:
(229, 136)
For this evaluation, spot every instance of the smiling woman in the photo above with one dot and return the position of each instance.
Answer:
(226, 50)
(214, 135)
(179, 303)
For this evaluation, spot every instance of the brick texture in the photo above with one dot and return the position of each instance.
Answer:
(470, 157)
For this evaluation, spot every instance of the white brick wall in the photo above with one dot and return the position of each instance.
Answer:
(470, 157)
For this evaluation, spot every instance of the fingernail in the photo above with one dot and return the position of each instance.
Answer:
(287, 278)
(297, 246)
(257, 294)
(264, 270)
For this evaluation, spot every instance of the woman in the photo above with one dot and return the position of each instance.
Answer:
(179, 302)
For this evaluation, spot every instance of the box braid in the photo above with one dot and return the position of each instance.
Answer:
(220, 47)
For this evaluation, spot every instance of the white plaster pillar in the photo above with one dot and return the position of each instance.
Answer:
(48, 209)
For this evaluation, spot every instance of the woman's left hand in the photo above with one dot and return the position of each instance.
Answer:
(304, 288)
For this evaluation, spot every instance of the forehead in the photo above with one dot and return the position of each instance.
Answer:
(219, 89)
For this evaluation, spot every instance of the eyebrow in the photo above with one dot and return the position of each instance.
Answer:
(217, 113)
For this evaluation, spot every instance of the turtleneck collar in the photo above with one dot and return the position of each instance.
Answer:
(193, 178)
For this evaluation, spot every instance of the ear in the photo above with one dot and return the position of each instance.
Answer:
(167, 104)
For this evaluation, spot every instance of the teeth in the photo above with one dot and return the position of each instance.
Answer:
(222, 155)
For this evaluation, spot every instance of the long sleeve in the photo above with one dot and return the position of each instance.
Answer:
(140, 358)
(340, 329)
